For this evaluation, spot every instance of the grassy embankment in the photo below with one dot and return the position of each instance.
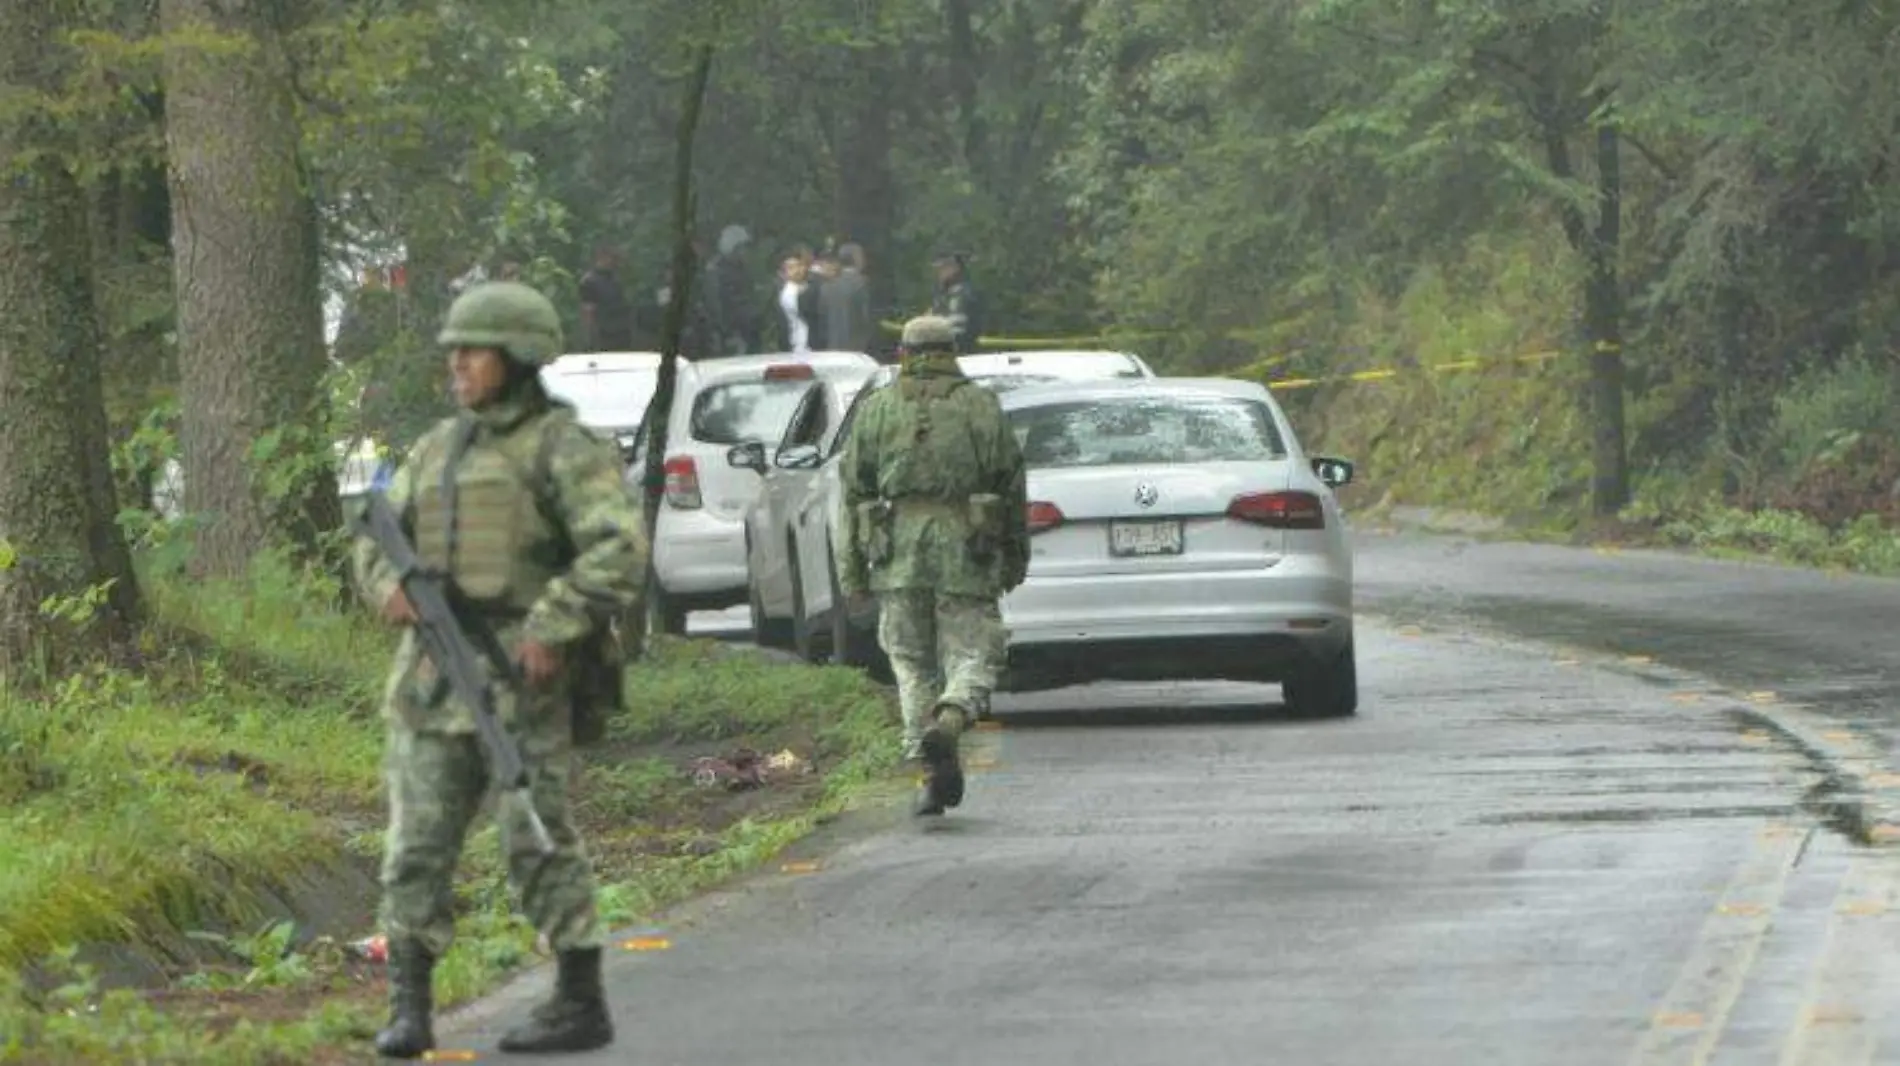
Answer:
(168, 819)
(1819, 484)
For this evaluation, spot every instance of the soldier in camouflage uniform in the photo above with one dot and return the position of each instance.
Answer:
(934, 523)
(539, 538)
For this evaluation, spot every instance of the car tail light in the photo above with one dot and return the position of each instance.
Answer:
(788, 372)
(1043, 517)
(682, 483)
(1279, 510)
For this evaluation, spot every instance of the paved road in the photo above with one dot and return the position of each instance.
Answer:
(1831, 641)
(1508, 857)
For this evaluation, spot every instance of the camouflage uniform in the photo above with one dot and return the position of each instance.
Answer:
(539, 562)
(934, 523)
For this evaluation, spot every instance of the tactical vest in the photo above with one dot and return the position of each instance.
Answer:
(500, 547)
(938, 458)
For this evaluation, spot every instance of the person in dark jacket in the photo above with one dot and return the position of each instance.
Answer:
(956, 300)
(845, 302)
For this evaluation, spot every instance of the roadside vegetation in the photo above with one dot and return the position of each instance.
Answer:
(188, 839)
(1481, 417)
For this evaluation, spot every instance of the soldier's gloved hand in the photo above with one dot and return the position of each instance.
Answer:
(397, 610)
(539, 663)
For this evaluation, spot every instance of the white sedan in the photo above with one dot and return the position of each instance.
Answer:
(1179, 531)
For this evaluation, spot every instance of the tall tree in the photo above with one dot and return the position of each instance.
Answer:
(257, 462)
(672, 620)
(58, 534)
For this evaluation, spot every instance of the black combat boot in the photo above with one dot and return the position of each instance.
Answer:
(575, 1017)
(411, 1001)
(944, 787)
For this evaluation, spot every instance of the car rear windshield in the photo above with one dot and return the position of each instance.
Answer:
(1147, 429)
(745, 411)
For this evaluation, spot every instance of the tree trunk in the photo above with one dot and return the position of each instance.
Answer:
(1599, 245)
(1603, 325)
(258, 463)
(673, 329)
(865, 203)
(965, 75)
(57, 509)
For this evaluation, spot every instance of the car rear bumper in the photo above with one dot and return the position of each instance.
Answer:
(1131, 606)
(1256, 657)
(1248, 626)
(699, 555)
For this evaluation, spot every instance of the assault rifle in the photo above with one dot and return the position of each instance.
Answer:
(448, 642)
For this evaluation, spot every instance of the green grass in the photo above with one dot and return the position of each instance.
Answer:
(247, 748)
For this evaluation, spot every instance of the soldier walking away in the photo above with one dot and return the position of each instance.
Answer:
(522, 510)
(935, 524)
(956, 300)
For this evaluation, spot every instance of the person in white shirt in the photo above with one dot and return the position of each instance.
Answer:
(798, 303)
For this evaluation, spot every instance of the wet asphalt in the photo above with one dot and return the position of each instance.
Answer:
(1516, 854)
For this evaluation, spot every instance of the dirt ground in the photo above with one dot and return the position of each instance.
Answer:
(666, 813)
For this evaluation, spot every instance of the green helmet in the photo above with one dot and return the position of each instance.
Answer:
(929, 331)
(506, 315)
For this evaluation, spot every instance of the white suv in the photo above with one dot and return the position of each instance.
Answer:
(699, 552)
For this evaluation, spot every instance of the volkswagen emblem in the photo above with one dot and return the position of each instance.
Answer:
(1146, 494)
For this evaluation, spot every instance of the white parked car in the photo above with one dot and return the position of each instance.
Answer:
(788, 553)
(610, 391)
(1179, 531)
(699, 552)
(788, 468)
(359, 468)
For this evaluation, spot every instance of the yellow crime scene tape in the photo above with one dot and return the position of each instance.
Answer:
(1381, 375)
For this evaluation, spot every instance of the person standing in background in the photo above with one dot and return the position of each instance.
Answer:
(956, 300)
(730, 313)
(606, 314)
(845, 303)
(801, 329)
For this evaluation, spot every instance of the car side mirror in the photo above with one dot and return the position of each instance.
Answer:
(747, 456)
(1336, 473)
(800, 457)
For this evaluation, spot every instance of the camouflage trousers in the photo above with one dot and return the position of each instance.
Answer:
(437, 783)
(944, 650)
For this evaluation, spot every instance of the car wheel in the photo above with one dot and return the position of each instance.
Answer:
(804, 634)
(854, 645)
(664, 613)
(1327, 691)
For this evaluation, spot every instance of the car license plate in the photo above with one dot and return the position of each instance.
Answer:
(1144, 538)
